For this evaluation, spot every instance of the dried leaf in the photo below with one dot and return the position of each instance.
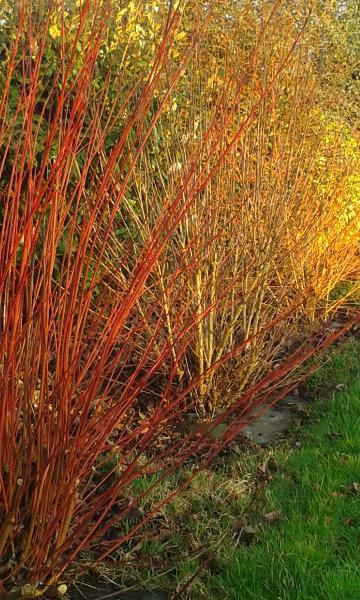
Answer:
(5, 567)
(62, 589)
(262, 468)
(334, 434)
(138, 546)
(272, 465)
(272, 516)
(267, 467)
(245, 535)
(301, 412)
(354, 488)
(163, 534)
(336, 495)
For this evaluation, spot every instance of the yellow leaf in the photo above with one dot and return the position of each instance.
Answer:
(54, 31)
(181, 36)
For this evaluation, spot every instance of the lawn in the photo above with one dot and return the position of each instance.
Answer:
(287, 528)
(313, 551)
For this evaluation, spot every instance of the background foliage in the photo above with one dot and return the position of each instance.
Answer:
(179, 221)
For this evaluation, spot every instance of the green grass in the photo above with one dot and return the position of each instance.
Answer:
(312, 552)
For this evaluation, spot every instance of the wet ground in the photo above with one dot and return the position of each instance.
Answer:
(276, 421)
(272, 423)
(94, 588)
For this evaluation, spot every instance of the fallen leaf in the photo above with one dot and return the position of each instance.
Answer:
(268, 466)
(62, 589)
(5, 567)
(272, 516)
(28, 589)
(345, 457)
(262, 468)
(336, 495)
(354, 488)
(272, 465)
(334, 434)
(138, 546)
(245, 535)
(300, 411)
(236, 449)
(163, 534)
(195, 546)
